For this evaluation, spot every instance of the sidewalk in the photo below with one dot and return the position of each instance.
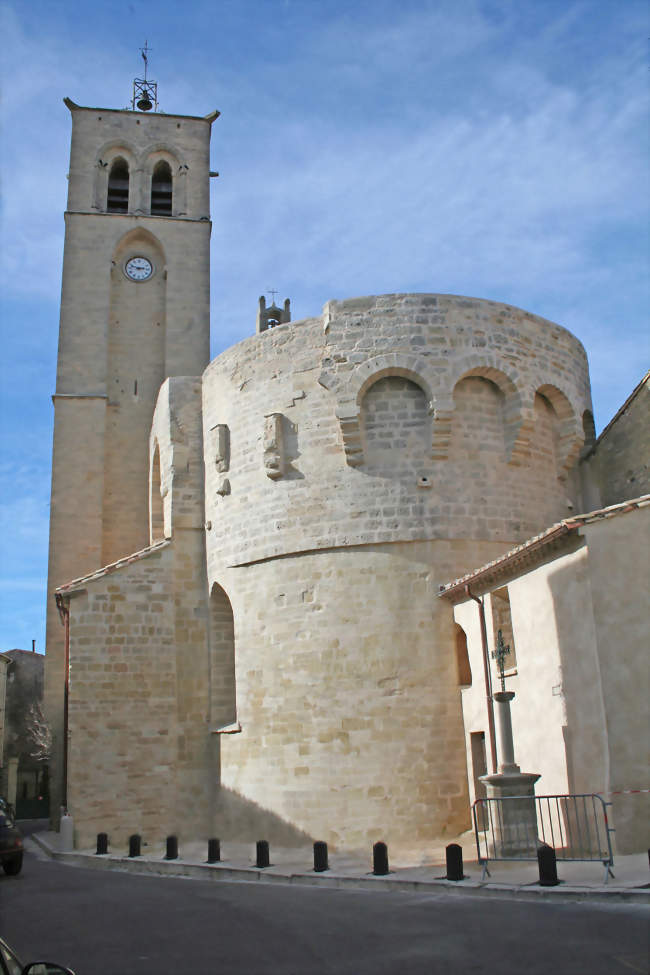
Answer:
(578, 881)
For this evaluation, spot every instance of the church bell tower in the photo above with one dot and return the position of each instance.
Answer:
(134, 311)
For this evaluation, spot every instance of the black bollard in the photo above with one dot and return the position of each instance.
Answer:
(172, 848)
(454, 854)
(102, 844)
(380, 859)
(214, 851)
(547, 864)
(320, 857)
(262, 853)
(134, 845)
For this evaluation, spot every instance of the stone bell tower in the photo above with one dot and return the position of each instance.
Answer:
(134, 311)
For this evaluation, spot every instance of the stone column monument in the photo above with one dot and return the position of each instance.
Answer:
(512, 817)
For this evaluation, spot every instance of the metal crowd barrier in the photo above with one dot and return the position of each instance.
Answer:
(513, 827)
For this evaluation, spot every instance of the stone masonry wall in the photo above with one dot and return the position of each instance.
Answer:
(330, 546)
(314, 374)
(619, 580)
(122, 724)
(620, 461)
(140, 757)
(348, 700)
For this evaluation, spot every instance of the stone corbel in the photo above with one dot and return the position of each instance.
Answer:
(221, 446)
(348, 417)
(274, 453)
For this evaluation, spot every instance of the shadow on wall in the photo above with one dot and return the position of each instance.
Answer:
(593, 743)
(583, 731)
(239, 819)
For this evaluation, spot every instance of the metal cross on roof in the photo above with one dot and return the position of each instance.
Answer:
(144, 51)
(273, 293)
(145, 92)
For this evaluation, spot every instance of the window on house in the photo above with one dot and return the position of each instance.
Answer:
(118, 187)
(161, 190)
(462, 658)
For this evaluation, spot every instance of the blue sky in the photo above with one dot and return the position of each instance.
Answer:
(494, 148)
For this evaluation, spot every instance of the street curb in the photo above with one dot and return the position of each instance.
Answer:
(219, 872)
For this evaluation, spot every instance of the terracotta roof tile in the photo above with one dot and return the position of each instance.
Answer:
(83, 581)
(520, 553)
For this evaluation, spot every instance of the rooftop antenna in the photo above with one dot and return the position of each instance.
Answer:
(145, 92)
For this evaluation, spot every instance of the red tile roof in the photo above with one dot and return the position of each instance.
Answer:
(75, 584)
(520, 557)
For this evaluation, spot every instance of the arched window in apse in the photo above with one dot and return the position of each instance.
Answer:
(223, 704)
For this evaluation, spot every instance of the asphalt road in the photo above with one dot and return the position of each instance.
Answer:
(122, 924)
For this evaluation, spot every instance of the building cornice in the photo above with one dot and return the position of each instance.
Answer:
(209, 118)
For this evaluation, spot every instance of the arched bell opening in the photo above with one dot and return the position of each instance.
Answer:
(117, 199)
(161, 189)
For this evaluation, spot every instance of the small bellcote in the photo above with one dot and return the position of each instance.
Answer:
(272, 316)
(145, 91)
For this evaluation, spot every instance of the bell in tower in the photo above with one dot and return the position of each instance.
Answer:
(145, 92)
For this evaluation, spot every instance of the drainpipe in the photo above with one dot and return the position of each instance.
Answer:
(487, 677)
(64, 613)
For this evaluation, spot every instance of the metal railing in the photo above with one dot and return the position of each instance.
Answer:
(513, 827)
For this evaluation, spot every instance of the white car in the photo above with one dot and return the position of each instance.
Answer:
(10, 964)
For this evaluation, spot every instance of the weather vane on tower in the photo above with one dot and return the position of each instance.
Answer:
(145, 92)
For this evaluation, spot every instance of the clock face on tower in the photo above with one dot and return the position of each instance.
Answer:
(138, 268)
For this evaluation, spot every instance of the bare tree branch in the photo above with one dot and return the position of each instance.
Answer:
(40, 733)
